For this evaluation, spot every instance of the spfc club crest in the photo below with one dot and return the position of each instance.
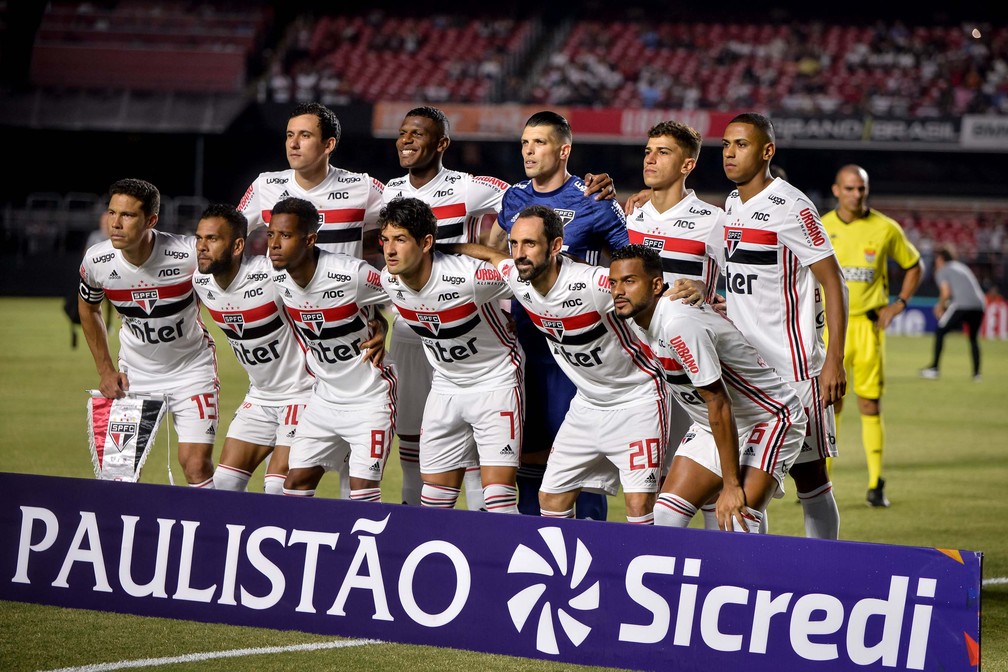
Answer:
(656, 244)
(732, 238)
(145, 298)
(313, 322)
(432, 322)
(121, 434)
(566, 216)
(236, 322)
(554, 327)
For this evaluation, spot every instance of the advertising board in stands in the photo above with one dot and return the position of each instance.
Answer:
(985, 132)
(574, 591)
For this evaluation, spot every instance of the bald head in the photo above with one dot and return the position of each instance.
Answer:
(851, 169)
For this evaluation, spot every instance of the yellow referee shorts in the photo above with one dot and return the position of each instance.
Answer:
(864, 357)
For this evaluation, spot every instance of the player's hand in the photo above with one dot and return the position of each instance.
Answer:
(886, 314)
(832, 382)
(731, 507)
(374, 347)
(938, 310)
(114, 385)
(637, 200)
(690, 291)
(600, 185)
(720, 304)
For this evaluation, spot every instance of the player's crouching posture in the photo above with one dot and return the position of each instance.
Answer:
(617, 426)
(331, 299)
(475, 410)
(163, 346)
(735, 400)
(241, 298)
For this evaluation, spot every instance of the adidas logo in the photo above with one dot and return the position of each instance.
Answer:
(290, 434)
(507, 450)
(210, 295)
(749, 452)
(805, 448)
(526, 296)
(376, 467)
(114, 276)
(651, 480)
(211, 431)
(639, 217)
(399, 296)
(287, 294)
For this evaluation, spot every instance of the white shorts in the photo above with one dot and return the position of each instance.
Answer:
(471, 430)
(772, 449)
(414, 373)
(329, 435)
(194, 415)
(820, 433)
(599, 449)
(266, 425)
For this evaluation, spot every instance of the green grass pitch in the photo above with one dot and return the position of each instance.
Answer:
(946, 469)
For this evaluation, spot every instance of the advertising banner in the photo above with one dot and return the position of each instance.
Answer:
(574, 591)
(986, 132)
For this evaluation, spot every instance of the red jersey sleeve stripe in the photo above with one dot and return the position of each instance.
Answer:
(163, 291)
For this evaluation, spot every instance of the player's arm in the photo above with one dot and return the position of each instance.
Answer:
(731, 503)
(638, 199)
(371, 293)
(113, 384)
(372, 251)
(477, 251)
(497, 238)
(944, 299)
(911, 280)
(601, 186)
(833, 379)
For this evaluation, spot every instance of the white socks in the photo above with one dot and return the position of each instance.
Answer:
(473, 484)
(499, 498)
(230, 478)
(673, 511)
(439, 496)
(822, 518)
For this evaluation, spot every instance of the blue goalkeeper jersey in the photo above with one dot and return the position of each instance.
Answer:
(589, 225)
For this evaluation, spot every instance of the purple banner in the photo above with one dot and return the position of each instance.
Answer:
(574, 591)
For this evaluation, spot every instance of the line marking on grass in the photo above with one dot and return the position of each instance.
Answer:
(995, 581)
(211, 655)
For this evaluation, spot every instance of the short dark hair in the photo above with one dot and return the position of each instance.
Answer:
(411, 214)
(327, 119)
(235, 219)
(946, 252)
(648, 256)
(142, 190)
(560, 125)
(686, 137)
(552, 224)
(439, 118)
(307, 215)
(759, 121)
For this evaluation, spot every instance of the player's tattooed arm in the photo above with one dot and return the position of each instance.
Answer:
(114, 384)
(496, 238)
(600, 185)
(374, 347)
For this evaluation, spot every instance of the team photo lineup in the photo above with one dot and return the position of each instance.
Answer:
(537, 347)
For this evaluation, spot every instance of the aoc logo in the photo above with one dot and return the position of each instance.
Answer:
(560, 605)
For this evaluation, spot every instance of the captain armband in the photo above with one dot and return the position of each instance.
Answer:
(91, 294)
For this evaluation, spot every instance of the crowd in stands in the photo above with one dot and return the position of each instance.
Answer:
(882, 70)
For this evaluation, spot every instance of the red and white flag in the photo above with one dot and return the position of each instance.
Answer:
(121, 433)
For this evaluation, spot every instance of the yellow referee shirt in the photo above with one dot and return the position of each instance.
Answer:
(863, 248)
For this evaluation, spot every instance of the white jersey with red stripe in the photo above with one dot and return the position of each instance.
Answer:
(457, 316)
(680, 236)
(697, 345)
(251, 315)
(459, 201)
(766, 248)
(163, 345)
(607, 361)
(331, 317)
(348, 204)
